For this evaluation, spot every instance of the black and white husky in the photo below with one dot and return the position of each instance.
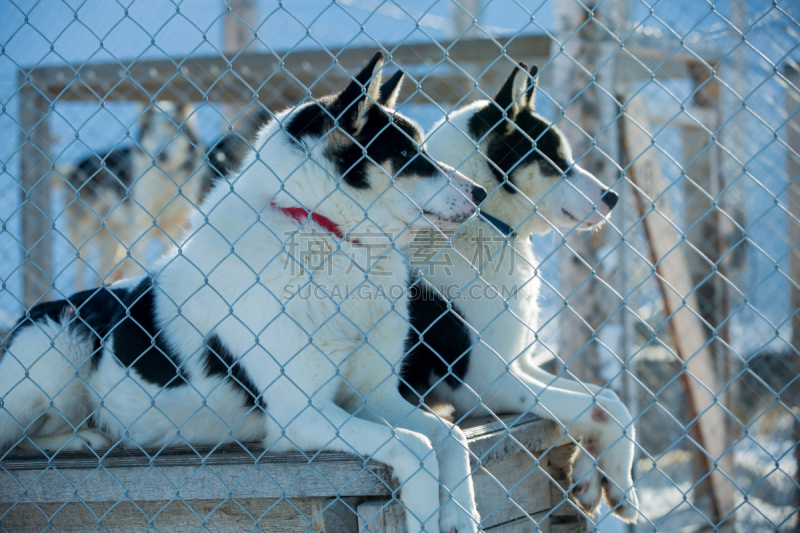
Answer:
(475, 355)
(224, 341)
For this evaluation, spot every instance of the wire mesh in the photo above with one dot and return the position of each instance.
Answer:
(664, 341)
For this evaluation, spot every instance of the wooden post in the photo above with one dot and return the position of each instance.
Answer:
(700, 221)
(239, 28)
(463, 13)
(793, 168)
(594, 111)
(237, 33)
(35, 188)
(335, 515)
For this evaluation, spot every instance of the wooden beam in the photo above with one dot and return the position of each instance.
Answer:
(592, 111)
(793, 167)
(259, 75)
(36, 166)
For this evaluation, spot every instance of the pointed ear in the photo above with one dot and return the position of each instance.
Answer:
(509, 97)
(184, 111)
(185, 116)
(530, 93)
(360, 94)
(391, 89)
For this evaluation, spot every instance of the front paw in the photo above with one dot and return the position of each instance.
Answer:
(623, 505)
(92, 439)
(620, 495)
(586, 490)
(454, 519)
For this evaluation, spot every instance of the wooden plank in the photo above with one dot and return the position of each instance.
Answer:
(219, 516)
(496, 440)
(210, 482)
(792, 102)
(510, 489)
(537, 523)
(680, 303)
(335, 515)
(381, 516)
(232, 454)
(567, 524)
(247, 74)
(35, 194)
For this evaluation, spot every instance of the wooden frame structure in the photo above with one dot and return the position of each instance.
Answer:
(452, 71)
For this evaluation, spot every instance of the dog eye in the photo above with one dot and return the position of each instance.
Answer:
(404, 153)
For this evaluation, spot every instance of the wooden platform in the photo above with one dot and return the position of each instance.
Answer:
(519, 488)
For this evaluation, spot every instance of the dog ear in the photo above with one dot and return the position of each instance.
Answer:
(360, 95)
(185, 116)
(146, 120)
(390, 90)
(184, 111)
(530, 93)
(510, 96)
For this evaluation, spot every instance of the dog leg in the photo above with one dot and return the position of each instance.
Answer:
(561, 382)
(21, 402)
(604, 422)
(40, 392)
(325, 426)
(587, 488)
(458, 513)
(87, 439)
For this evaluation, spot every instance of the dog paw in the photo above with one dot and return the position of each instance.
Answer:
(454, 519)
(91, 439)
(587, 493)
(624, 506)
(587, 489)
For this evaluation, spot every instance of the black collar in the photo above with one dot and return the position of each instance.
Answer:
(501, 226)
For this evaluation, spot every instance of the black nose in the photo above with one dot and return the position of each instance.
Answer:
(478, 195)
(610, 198)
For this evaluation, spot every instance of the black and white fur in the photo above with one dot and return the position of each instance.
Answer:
(218, 344)
(113, 199)
(475, 353)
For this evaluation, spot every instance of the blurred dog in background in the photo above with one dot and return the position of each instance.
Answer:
(133, 201)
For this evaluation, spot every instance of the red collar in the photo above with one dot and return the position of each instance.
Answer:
(301, 214)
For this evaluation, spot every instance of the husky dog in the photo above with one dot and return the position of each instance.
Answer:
(474, 315)
(223, 343)
(227, 152)
(118, 197)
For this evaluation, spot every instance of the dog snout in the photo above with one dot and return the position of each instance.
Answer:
(610, 198)
(478, 195)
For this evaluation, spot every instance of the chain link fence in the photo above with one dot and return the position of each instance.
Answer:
(118, 119)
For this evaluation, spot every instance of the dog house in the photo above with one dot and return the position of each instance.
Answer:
(520, 474)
